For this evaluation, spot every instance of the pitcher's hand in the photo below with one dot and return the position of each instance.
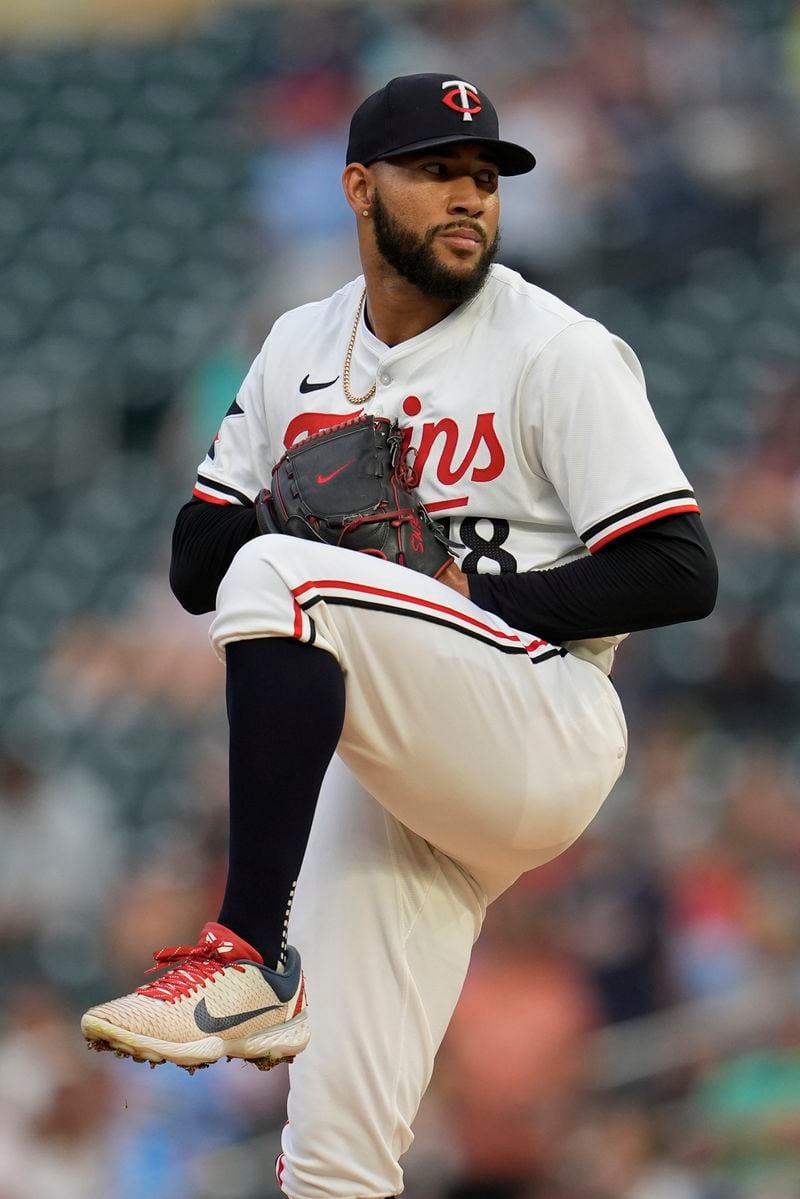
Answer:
(451, 576)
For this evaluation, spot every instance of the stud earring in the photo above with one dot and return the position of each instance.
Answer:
(365, 212)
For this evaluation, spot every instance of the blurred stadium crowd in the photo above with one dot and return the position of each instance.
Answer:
(163, 198)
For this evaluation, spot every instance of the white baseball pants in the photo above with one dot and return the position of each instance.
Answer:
(470, 753)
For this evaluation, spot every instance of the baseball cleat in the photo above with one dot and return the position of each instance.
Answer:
(218, 999)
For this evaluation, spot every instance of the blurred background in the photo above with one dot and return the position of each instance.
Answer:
(170, 184)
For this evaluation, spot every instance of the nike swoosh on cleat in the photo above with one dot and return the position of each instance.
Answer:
(208, 1023)
(305, 386)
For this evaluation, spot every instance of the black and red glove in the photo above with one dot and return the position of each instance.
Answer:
(349, 486)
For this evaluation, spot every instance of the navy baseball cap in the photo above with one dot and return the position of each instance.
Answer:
(414, 112)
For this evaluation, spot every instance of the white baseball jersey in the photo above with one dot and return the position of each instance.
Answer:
(530, 423)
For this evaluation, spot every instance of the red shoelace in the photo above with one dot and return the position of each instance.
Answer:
(196, 965)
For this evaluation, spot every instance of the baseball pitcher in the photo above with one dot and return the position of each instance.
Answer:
(435, 508)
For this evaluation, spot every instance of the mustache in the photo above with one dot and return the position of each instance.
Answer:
(451, 226)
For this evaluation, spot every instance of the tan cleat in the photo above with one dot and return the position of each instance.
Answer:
(219, 999)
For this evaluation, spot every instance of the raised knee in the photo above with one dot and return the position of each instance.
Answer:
(256, 558)
(266, 548)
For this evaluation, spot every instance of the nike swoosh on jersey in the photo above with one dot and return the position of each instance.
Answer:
(305, 386)
(327, 478)
(208, 1023)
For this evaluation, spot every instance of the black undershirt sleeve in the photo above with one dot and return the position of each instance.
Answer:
(204, 542)
(660, 574)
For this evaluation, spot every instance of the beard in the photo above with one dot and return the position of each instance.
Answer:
(415, 259)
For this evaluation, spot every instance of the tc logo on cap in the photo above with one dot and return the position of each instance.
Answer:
(462, 98)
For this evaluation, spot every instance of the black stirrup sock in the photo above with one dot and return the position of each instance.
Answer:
(286, 710)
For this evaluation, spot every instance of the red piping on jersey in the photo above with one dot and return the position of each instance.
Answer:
(210, 499)
(341, 584)
(298, 622)
(643, 520)
(438, 505)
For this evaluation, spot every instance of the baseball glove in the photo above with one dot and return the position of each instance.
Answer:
(349, 486)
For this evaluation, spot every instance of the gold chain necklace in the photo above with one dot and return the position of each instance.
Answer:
(353, 399)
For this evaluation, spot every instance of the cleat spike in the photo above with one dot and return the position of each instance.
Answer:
(262, 1063)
